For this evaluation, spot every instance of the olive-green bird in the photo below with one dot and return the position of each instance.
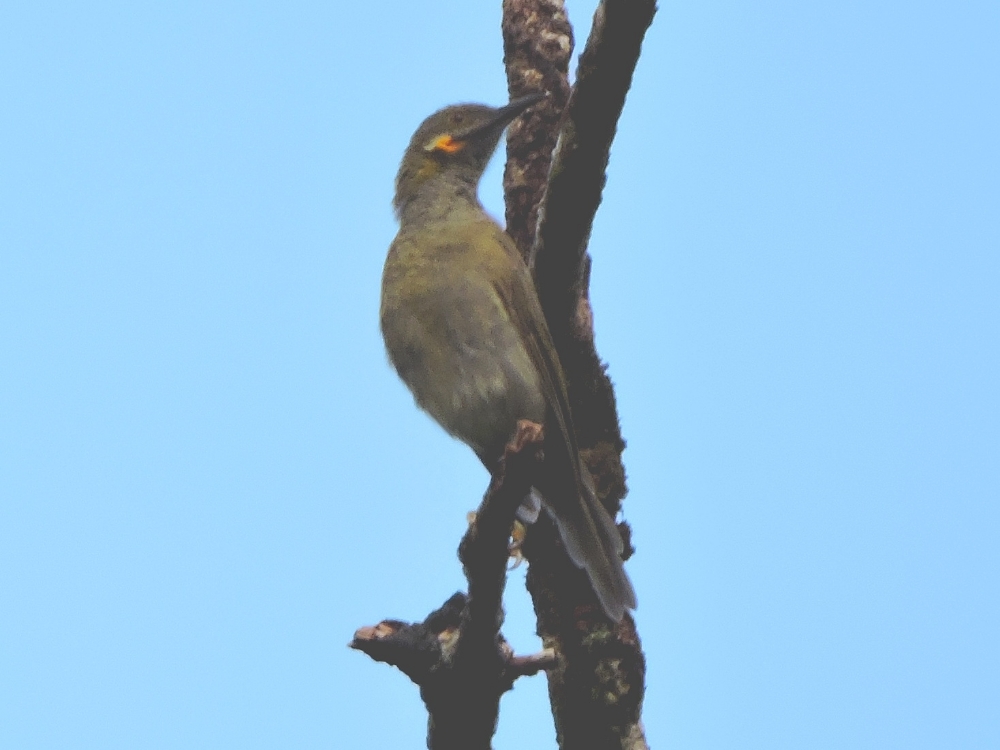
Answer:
(465, 331)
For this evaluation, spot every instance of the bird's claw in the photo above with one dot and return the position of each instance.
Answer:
(527, 432)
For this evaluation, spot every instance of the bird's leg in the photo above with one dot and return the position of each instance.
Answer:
(517, 536)
(527, 432)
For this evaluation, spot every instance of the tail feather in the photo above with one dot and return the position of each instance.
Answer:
(593, 543)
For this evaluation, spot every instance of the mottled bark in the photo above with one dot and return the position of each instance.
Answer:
(537, 46)
(597, 687)
(457, 656)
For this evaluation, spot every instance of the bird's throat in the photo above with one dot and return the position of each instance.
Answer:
(429, 194)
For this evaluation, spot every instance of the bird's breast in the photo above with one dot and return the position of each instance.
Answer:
(453, 342)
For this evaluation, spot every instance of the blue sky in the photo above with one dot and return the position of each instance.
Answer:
(209, 475)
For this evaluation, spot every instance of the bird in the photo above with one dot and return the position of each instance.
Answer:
(464, 330)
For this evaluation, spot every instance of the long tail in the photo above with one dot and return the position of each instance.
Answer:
(590, 537)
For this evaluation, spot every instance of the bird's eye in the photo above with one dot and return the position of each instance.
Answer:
(457, 119)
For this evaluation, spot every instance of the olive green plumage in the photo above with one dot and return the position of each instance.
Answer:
(465, 331)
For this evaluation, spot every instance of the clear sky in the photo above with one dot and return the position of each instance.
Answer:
(210, 477)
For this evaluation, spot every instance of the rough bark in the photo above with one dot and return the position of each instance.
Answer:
(457, 656)
(537, 47)
(597, 687)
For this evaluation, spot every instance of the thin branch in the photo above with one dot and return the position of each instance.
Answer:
(579, 164)
(533, 664)
(485, 548)
(457, 656)
(413, 648)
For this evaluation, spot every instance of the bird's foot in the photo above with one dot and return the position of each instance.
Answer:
(526, 432)
(517, 535)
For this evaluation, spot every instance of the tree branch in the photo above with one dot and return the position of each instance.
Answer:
(577, 177)
(537, 47)
(597, 687)
(457, 656)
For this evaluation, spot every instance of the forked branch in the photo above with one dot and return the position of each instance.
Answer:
(457, 656)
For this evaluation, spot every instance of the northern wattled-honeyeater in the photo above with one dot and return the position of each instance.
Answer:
(465, 331)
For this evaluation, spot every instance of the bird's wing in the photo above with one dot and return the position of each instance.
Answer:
(588, 532)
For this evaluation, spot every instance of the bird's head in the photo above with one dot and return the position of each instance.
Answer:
(457, 140)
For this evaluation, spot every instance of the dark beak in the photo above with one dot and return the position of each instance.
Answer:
(508, 112)
(503, 116)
